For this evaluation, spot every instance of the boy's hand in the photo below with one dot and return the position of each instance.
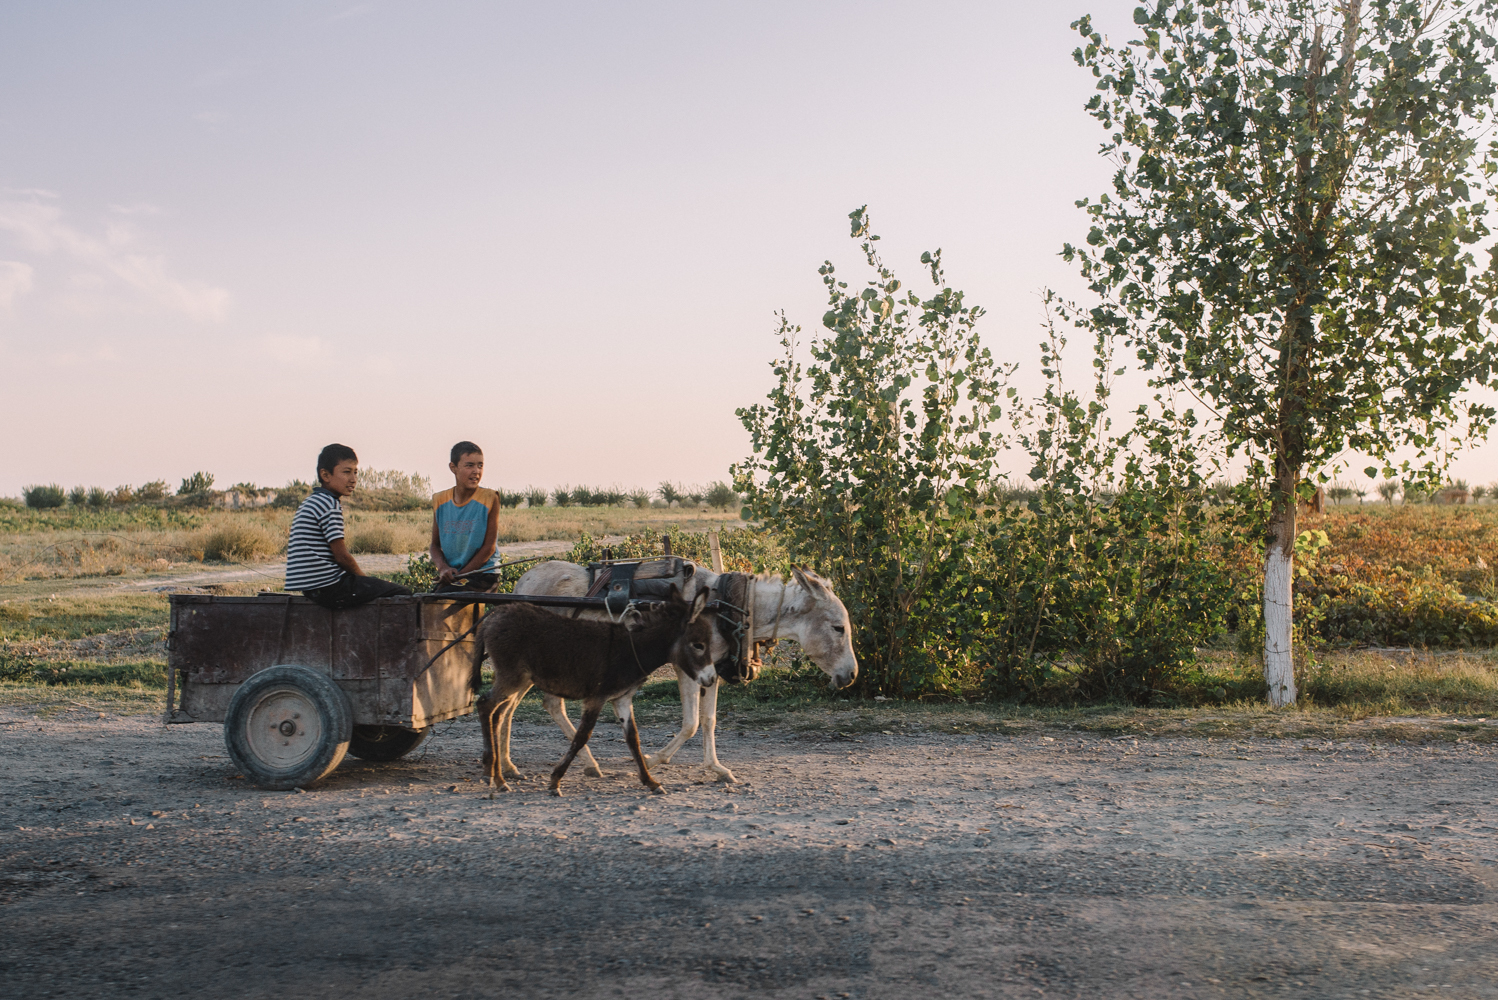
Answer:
(447, 575)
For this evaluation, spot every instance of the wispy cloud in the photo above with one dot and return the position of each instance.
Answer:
(38, 227)
(15, 280)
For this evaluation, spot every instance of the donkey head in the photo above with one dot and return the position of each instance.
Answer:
(697, 643)
(825, 631)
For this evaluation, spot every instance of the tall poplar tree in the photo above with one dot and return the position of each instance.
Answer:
(1293, 232)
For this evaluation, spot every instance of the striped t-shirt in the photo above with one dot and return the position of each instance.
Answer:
(309, 559)
(461, 529)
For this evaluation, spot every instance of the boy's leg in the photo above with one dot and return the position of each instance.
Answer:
(352, 591)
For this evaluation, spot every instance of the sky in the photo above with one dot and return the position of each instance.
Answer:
(233, 233)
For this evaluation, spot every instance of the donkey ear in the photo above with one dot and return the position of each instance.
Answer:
(807, 580)
(688, 570)
(698, 603)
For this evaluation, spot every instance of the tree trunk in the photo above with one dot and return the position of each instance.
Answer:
(1279, 578)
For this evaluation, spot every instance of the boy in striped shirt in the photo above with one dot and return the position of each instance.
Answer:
(318, 562)
(465, 526)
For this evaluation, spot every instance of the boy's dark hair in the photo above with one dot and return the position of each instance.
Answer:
(464, 448)
(330, 456)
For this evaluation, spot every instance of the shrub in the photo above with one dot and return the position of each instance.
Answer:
(669, 493)
(78, 496)
(640, 498)
(562, 496)
(1478, 492)
(1388, 490)
(156, 489)
(44, 497)
(582, 496)
(722, 496)
(695, 495)
(510, 498)
(535, 496)
(291, 495)
(97, 497)
(198, 482)
(611, 496)
(122, 496)
(408, 483)
(240, 540)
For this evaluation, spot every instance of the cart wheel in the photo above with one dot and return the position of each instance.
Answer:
(287, 726)
(381, 743)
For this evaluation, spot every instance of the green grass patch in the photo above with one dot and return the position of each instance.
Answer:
(78, 615)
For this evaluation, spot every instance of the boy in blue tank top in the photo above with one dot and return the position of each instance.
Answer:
(465, 524)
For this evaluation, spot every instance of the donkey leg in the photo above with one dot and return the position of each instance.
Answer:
(491, 719)
(624, 706)
(709, 733)
(584, 730)
(689, 689)
(506, 765)
(557, 709)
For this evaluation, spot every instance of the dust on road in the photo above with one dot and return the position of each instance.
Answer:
(134, 863)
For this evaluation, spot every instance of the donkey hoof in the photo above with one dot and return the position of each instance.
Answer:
(593, 772)
(514, 772)
(658, 789)
(556, 790)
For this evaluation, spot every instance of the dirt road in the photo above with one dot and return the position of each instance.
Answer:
(133, 862)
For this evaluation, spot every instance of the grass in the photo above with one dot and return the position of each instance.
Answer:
(74, 543)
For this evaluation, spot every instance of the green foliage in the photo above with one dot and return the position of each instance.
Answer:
(78, 496)
(562, 496)
(582, 496)
(722, 496)
(669, 492)
(535, 496)
(745, 550)
(98, 497)
(198, 482)
(1388, 490)
(640, 498)
(155, 490)
(869, 464)
(510, 498)
(290, 496)
(43, 497)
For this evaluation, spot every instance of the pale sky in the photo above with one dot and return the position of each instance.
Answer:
(233, 233)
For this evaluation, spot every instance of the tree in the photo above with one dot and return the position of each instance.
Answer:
(1288, 235)
(870, 461)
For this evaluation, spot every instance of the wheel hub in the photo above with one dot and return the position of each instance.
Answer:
(284, 728)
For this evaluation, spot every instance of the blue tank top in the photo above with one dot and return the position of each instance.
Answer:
(461, 529)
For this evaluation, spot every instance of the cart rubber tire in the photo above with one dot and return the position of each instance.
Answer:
(385, 743)
(287, 726)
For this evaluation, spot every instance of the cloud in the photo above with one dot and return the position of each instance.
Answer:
(15, 280)
(39, 228)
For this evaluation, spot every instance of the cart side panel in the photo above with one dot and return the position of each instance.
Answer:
(439, 670)
(218, 642)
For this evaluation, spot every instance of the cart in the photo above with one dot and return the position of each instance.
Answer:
(297, 686)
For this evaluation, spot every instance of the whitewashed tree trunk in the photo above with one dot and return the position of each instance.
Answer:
(1279, 578)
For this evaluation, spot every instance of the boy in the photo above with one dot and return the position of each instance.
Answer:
(318, 562)
(465, 524)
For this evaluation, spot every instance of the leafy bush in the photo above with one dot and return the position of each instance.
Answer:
(582, 496)
(1388, 490)
(695, 495)
(290, 496)
(609, 496)
(98, 497)
(198, 482)
(78, 496)
(155, 490)
(562, 496)
(669, 492)
(722, 496)
(510, 498)
(122, 496)
(535, 496)
(408, 483)
(640, 498)
(43, 497)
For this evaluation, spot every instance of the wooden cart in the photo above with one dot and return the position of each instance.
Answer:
(297, 686)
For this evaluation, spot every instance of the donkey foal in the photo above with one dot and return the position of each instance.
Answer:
(589, 661)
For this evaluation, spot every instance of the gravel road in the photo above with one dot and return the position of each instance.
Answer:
(134, 862)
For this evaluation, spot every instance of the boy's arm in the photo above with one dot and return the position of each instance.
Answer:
(444, 571)
(491, 535)
(343, 557)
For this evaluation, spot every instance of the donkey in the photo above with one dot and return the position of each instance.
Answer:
(593, 661)
(804, 609)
